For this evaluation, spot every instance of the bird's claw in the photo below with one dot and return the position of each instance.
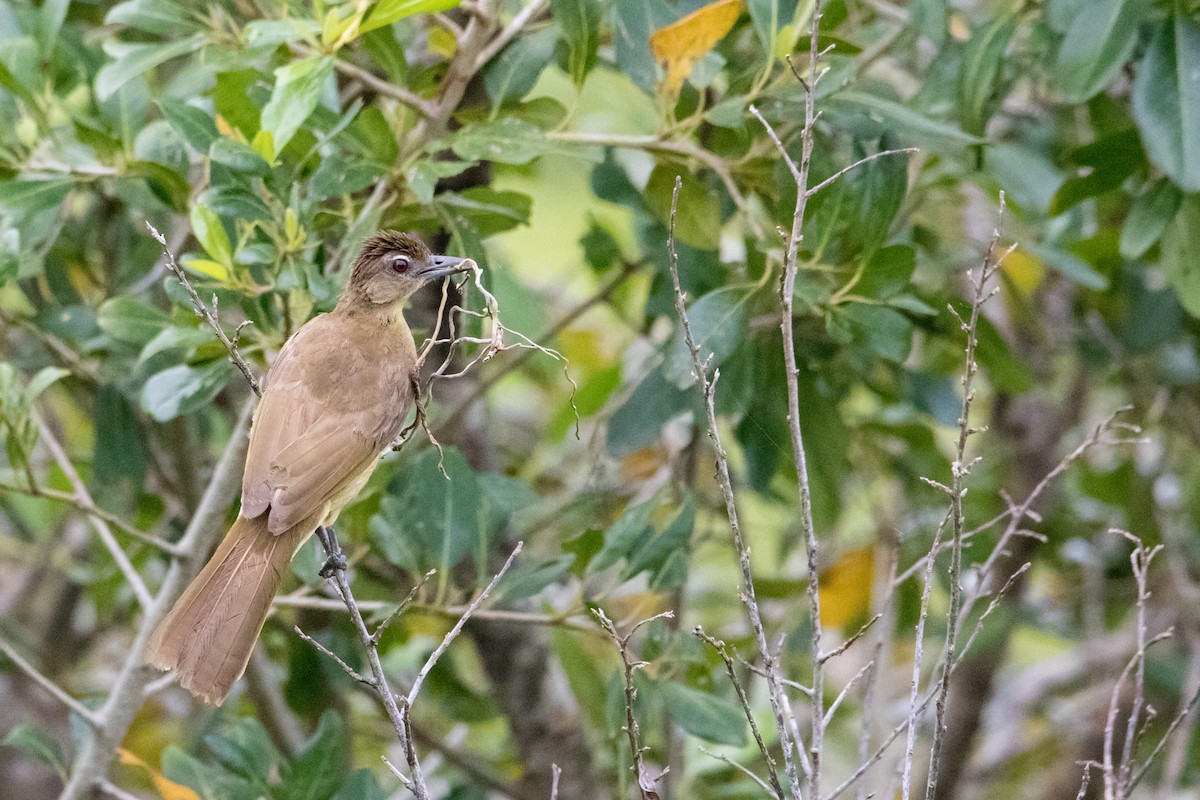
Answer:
(334, 564)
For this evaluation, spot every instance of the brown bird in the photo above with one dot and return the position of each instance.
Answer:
(337, 394)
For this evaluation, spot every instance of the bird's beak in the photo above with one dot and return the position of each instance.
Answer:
(441, 266)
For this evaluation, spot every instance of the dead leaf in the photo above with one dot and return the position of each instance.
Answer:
(685, 41)
(167, 789)
(846, 588)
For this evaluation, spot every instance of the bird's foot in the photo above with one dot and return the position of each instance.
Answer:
(334, 564)
(336, 560)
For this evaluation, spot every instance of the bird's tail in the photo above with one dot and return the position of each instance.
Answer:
(209, 634)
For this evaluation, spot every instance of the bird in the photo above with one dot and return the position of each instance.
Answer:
(335, 397)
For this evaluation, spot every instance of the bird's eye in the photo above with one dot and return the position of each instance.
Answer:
(399, 264)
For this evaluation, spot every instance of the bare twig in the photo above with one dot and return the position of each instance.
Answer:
(645, 782)
(205, 313)
(1118, 774)
(99, 524)
(719, 646)
(787, 291)
(510, 31)
(749, 599)
(398, 711)
(86, 505)
(53, 689)
(740, 768)
(959, 471)
(129, 687)
(457, 629)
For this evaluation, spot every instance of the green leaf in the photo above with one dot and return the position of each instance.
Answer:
(888, 273)
(585, 680)
(160, 17)
(274, 32)
(128, 320)
(980, 74)
(1150, 214)
(717, 321)
(211, 235)
(488, 210)
(507, 140)
(768, 17)
(879, 188)
(317, 771)
(632, 23)
(54, 12)
(134, 59)
(624, 535)
(244, 748)
(528, 578)
(174, 338)
(704, 715)
(1105, 164)
(883, 331)
(389, 11)
(893, 114)
(39, 744)
(34, 195)
(238, 157)
(698, 216)
(638, 422)
(429, 520)
(1166, 99)
(42, 381)
(424, 175)
(298, 86)
(196, 127)
(1180, 244)
(361, 786)
(579, 21)
(1099, 41)
(1070, 265)
(517, 69)
(182, 389)
(119, 454)
(662, 549)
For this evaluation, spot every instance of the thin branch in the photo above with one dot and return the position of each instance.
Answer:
(846, 645)
(85, 505)
(832, 178)
(719, 646)
(457, 629)
(99, 525)
(205, 313)
(748, 597)
(514, 27)
(349, 670)
(787, 291)
(129, 687)
(645, 782)
(654, 144)
(959, 471)
(53, 689)
(740, 768)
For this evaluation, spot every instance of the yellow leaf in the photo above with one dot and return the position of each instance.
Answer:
(846, 588)
(207, 268)
(442, 42)
(225, 129)
(685, 41)
(1023, 271)
(264, 145)
(167, 789)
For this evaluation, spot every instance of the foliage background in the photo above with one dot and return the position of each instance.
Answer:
(266, 138)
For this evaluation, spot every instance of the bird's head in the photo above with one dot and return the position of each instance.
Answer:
(391, 266)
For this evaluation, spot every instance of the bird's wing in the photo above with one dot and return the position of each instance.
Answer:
(331, 403)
